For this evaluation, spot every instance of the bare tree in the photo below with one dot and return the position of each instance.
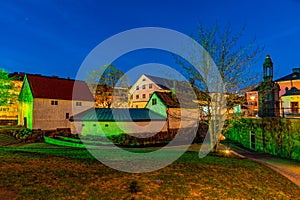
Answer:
(233, 60)
(109, 87)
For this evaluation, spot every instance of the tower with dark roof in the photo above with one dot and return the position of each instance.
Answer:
(268, 92)
(268, 69)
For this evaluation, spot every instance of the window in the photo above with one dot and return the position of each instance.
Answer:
(78, 103)
(54, 102)
(137, 106)
(144, 87)
(67, 115)
(150, 85)
(144, 96)
(137, 87)
(154, 101)
(144, 79)
(294, 107)
(106, 125)
(137, 96)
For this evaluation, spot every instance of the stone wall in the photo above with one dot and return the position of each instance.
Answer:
(276, 136)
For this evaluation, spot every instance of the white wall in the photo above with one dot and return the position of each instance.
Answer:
(48, 117)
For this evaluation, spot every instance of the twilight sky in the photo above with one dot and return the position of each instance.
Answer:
(53, 37)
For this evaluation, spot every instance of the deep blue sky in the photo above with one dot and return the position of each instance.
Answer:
(54, 37)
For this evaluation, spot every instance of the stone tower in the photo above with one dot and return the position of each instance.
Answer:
(268, 93)
(268, 69)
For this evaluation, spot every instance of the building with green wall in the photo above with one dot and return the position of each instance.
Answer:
(179, 114)
(47, 103)
(115, 121)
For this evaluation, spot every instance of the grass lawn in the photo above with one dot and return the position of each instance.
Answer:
(41, 171)
(7, 140)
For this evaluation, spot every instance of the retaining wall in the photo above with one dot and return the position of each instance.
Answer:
(276, 136)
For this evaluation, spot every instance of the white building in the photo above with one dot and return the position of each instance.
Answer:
(47, 103)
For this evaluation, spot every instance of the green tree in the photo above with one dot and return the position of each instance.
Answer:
(7, 96)
(234, 61)
(109, 86)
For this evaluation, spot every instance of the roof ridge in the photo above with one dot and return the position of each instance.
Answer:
(52, 77)
(289, 77)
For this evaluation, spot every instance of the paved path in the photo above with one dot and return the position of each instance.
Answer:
(286, 167)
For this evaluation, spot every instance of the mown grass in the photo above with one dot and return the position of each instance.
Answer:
(40, 171)
(6, 139)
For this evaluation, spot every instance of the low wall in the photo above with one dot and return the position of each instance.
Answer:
(276, 136)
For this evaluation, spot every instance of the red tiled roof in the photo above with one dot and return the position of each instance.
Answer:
(169, 100)
(58, 88)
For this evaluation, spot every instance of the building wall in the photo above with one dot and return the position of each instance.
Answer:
(10, 112)
(48, 115)
(115, 128)
(286, 104)
(288, 84)
(252, 102)
(182, 117)
(158, 106)
(141, 92)
(175, 121)
(138, 104)
(276, 136)
(25, 107)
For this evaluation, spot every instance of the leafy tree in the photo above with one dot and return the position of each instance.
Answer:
(234, 61)
(109, 87)
(7, 96)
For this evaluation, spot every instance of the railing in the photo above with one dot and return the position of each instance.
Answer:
(290, 112)
(286, 112)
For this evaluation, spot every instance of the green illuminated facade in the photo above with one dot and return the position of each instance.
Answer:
(157, 105)
(116, 121)
(25, 117)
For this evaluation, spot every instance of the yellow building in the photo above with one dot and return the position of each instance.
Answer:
(9, 113)
(290, 102)
(288, 95)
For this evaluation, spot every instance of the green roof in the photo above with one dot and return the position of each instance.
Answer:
(118, 114)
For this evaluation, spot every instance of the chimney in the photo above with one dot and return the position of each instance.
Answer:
(296, 70)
